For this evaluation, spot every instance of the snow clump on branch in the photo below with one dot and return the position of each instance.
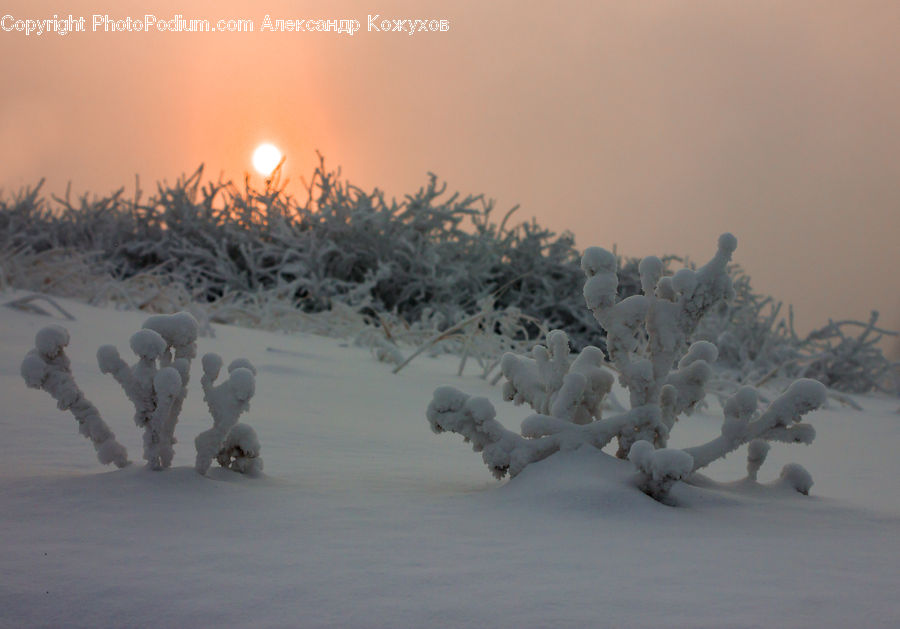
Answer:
(47, 367)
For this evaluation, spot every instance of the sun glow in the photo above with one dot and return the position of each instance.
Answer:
(265, 158)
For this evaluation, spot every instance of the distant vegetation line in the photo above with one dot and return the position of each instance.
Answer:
(429, 255)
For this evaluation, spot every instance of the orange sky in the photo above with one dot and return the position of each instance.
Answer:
(650, 125)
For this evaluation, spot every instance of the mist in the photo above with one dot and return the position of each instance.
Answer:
(650, 126)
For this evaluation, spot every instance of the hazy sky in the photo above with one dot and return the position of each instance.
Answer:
(650, 125)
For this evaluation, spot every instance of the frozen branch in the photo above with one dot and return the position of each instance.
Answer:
(226, 402)
(157, 383)
(47, 367)
(779, 422)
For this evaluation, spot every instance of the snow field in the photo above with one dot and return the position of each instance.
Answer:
(364, 518)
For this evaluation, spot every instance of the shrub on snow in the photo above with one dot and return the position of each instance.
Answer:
(226, 402)
(157, 386)
(648, 344)
(157, 383)
(263, 258)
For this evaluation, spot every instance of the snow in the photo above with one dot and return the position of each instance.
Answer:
(146, 344)
(757, 451)
(660, 468)
(364, 518)
(241, 451)
(179, 331)
(796, 477)
(50, 341)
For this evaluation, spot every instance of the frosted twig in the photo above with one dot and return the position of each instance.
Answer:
(25, 303)
(47, 367)
(226, 402)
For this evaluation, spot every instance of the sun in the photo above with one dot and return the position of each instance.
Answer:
(266, 158)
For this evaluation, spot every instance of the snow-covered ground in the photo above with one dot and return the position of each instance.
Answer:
(364, 518)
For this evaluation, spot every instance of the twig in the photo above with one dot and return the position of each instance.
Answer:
(24, 304)
(438, 338)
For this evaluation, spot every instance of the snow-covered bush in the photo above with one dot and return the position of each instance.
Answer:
(427, 262)
(157, 383)
(47, 367)
(648, 342)
(758, 344)
(157, 386)
(226, 402)
(854, 363)
(428, 251)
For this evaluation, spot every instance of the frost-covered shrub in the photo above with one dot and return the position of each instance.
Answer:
(758, 344)
(849, 362)
(47, 367)
(226, 402)
(157, 383)
(427, 261)
(157, 386)
(426, 253)
(648, 342)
